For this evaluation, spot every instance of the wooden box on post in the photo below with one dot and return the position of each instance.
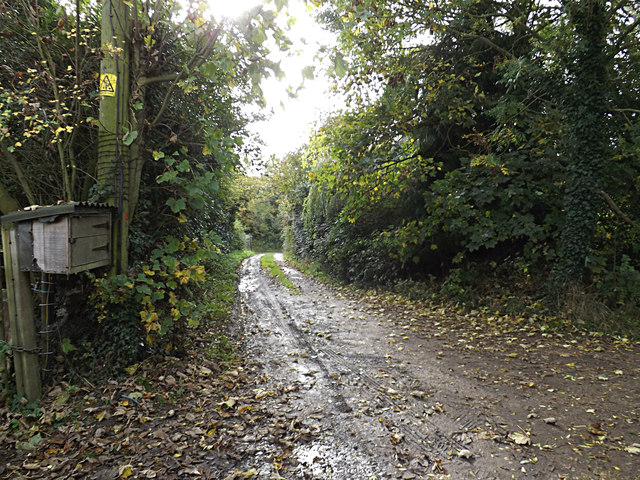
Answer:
(63, 239)
(60, 239)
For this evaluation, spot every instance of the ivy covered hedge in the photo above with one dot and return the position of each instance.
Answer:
(481, 140)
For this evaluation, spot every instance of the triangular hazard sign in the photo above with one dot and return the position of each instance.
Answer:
(107, 84)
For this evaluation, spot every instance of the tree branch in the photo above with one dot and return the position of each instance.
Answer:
(197, 60)
(169, 77)
(491, 44)
(616, 209)
(623, 36)
(22, 178)
(8, 204)
(629, 110)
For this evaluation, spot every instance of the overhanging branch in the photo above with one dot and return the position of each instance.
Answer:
(169, 77)
(20, 175)
(197, 60)
(7, 202)
(616, 209)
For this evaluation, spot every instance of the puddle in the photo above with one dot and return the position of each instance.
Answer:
(289, 272)
(248, 284)
(333, 461)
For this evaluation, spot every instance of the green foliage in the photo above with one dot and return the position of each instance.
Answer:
(257, 210)
(588, 138)
(107, 347)
(176, 282)
(183, 133)
(618, 286)
(160, 292)
(47, 101)
(476, 133)
(67, 346)
(114, 337)
(5, 348)
(239, 239)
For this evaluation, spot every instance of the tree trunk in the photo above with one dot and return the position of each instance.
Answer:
(585, 101)
(7, 202)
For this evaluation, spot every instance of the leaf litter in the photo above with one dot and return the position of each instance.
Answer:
(560, 405)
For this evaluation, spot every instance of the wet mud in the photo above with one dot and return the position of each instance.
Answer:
(380, 398)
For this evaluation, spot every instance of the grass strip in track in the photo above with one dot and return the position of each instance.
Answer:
(269, 264)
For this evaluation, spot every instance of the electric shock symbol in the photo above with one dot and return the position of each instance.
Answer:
(108, 84)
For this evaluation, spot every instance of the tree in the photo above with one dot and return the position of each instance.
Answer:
(587, 103)
(481, 131)
(138, 48)
(166, 159)
(46, 100)
(257, 210)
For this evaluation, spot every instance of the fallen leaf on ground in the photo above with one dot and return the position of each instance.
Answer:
(633, 449)
(519, 438)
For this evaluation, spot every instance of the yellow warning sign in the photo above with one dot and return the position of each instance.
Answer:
(108, 84)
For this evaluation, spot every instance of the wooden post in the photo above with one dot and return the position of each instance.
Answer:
(4, 336)
(21, 319)
(114, 154)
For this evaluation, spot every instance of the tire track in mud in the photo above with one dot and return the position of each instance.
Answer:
(443, 428)
(260, 302)
(434, 437)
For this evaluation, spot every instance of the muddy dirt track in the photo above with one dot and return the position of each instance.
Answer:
(380, 391)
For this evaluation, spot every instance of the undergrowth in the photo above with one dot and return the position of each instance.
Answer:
(310, 268)
(218, 346)
(104, 348)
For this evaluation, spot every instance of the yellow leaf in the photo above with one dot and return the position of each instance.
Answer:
(520, 438)
(206, 150)
(229, 403)
(633, 449)
(125, 471)
(147, 271)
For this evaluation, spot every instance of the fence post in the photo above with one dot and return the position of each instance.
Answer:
(4, 337)
(21, 319)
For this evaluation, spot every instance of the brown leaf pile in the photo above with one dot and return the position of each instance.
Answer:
(170, 418)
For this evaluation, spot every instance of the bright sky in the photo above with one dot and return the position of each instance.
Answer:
(292, 119)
